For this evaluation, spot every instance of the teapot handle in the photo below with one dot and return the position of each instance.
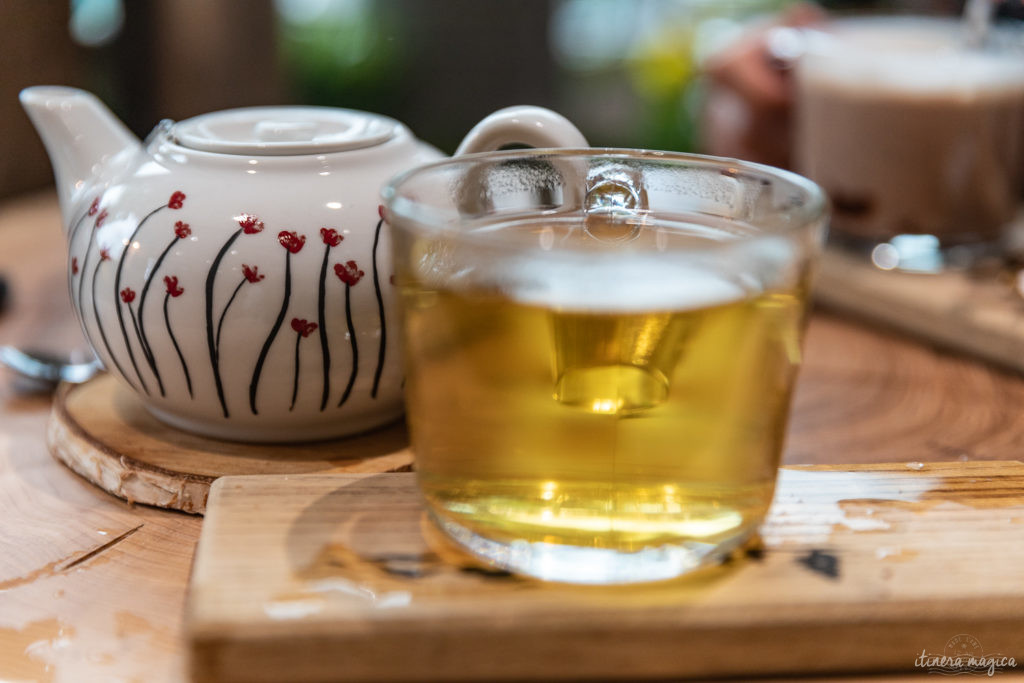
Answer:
(525, 125)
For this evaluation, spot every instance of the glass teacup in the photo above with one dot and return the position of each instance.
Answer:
(600, 347)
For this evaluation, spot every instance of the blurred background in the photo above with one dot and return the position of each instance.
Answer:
(627, 72)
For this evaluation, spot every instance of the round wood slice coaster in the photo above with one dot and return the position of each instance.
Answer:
(102, 432)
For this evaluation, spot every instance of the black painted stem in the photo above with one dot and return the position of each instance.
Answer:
(71, 254)
(254, 385)
(143, 337)
(81, 285)
(211, 277)
(220, 323)
(295, 381)
(117, 292)
(74, 230)
(174, 340)
(355, 346)
(103, 334)
(380, 312)
(135, 321)
(324, 349)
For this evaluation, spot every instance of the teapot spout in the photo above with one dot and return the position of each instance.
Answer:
(80, 134)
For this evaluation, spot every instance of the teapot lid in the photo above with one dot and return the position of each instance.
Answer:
(279, 131)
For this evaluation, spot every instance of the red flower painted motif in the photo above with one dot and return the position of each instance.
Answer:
(250, 224)
(104, 254)
(127, 295)
(172, 285)
(182, 230)
(94, 207)
(291, 241)
(100, 218)
(252, 274)
(303, 327)
(330, 237)
(176, 201)
(348, 273)
(74, 265)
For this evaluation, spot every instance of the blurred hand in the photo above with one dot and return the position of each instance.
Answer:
(748, 110)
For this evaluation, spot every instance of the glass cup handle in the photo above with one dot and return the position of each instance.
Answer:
(524, 125)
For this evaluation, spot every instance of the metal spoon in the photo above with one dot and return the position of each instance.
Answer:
(45, 370)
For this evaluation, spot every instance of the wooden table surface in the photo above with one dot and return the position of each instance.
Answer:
(92, 588)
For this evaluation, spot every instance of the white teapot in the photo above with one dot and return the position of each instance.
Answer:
(233, 270)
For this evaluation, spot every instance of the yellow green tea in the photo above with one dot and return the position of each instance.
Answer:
(606, 423)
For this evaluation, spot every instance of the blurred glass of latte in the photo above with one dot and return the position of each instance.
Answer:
(910, 131)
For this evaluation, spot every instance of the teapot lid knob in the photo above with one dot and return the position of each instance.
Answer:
(278, 131)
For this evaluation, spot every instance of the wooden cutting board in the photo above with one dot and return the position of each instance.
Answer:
(861, 569)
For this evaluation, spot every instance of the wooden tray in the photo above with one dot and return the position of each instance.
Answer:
(102, 432)
(982, 316)
(863, 569)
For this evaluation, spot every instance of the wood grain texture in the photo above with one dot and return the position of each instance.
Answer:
(102, 432)
(864, 395)
(862, 569)
(873, 395)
